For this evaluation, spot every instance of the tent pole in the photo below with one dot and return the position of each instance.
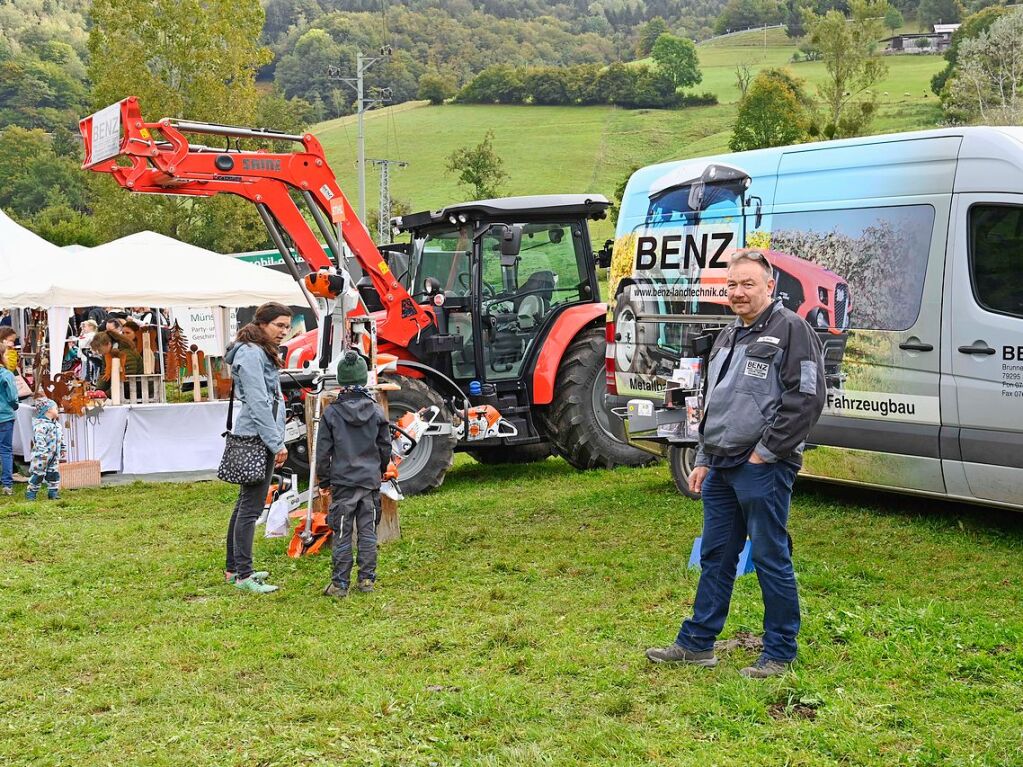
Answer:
(159, 348)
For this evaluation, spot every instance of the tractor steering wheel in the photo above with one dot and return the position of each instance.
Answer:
(488, 289)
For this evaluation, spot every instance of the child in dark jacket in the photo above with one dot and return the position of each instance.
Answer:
(352, 452)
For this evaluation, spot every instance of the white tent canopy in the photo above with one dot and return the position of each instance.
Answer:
(144, 269)
(149, 269)
(24, 265)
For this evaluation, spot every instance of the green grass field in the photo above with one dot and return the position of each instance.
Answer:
(508, 628)
(591, 149)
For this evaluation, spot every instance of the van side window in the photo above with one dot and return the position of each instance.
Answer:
(996, 245)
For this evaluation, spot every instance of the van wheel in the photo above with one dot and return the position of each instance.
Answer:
(426, 466)
(682, 461)
(576, 422)
(494, 456)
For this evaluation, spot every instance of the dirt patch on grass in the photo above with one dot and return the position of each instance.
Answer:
(795, 711)
(743, 640)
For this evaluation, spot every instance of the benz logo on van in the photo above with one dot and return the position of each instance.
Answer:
(675, 251)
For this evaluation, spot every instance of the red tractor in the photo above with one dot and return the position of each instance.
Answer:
(492, 303)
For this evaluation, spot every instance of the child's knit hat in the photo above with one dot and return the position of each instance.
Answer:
(352, 370)
(44, 406)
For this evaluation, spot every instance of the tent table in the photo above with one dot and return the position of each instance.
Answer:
(141, 439)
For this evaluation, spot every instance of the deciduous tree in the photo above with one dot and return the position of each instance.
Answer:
(849, 49)
(193, 59)
(987, 83)
(435, 87)
(933, 12)
(676, 57)
(648, 35)
(479, 168)
(893, 18)
(769, 115)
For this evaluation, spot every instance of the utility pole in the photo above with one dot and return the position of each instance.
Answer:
(383, 225)
(383, 95)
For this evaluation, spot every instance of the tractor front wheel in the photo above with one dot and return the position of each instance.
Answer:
(578, 424)
(426, 465)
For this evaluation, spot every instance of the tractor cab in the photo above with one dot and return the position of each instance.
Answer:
(497, 273)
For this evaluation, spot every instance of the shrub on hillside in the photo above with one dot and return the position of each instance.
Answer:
(707, 99)
(498, 84)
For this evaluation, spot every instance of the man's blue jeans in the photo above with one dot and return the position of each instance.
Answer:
(7, 453)
(747, 500)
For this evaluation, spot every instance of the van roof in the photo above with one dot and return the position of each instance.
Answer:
(940, 161)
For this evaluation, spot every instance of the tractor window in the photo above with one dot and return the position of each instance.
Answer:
(445, 257)
(550, 271)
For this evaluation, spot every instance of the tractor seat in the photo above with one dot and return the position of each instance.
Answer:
(540, 284)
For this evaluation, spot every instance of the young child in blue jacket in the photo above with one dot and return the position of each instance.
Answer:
(47, 450)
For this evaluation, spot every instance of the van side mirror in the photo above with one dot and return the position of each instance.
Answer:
(603, 256)
(758, 216)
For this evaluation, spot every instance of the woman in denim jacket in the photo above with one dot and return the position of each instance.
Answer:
(255, 364)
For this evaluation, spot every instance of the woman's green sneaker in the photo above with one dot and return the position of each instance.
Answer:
(255, 586)
(259, 575)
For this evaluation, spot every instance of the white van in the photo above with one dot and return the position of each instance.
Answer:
(904, 251)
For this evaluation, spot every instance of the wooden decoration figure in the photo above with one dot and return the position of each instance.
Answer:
(147, 342)
(177, 353)
(222, 379)
(196, 360)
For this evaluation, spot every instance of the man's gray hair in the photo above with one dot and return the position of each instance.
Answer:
(752, 257)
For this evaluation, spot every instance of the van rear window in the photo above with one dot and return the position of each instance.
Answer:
(996, 253)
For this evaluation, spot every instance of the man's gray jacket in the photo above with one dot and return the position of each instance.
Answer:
(772, 393)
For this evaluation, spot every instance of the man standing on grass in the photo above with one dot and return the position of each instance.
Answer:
(765, 391)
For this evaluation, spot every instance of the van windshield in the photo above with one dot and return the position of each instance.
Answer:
(673, 205)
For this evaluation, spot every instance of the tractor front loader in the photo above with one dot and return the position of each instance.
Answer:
(489, 321)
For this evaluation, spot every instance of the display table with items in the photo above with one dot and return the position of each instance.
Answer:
(139, 439)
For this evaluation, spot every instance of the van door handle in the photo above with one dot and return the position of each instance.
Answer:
(979, 347)
(916, 346)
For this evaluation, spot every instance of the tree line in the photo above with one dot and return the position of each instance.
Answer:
(634, 86)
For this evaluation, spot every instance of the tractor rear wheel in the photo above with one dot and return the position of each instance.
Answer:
(426, 465)
(493, 456)
(578, 424)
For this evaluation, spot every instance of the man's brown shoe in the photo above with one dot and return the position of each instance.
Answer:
(366, 586)
(676, 653)
(335, 591)
(765, 667)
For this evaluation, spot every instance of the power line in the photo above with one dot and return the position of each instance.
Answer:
(381, 96)
(384, 222)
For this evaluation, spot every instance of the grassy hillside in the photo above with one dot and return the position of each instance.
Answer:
(590, 149)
